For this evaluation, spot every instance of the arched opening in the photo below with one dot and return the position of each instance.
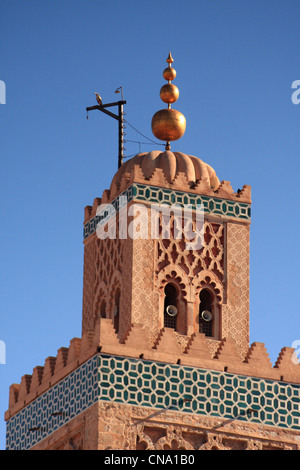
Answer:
(170, 314)
(103, 309)
(206, 313)
(141, 445)
(116, 311)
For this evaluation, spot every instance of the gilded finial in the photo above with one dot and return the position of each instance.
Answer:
(170, 59)
(168, 124)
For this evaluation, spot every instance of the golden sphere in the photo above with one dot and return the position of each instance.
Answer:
(169, 93)
(168, 124)
(169, 73)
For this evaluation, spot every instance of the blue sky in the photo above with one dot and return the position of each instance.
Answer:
(235, 62)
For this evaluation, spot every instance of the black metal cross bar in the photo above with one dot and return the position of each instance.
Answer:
(118, 117)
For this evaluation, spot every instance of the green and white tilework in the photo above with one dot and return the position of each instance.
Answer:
(155, 385)
(156, 195)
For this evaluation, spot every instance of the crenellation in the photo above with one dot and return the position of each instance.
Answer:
(87, 213)
(74, 351)
(137, 173)
(225, 190)
(13, 395)
(180, 181)
(165, 349)
(245, 193)
(106, 196)
(88, 345)
(257, 355)
(114, 190)
(37, 377)
(158, 178)
(49, 368)
(24, 387)
(197, 346)
(137, 342)
(107, 338)
(96, 203)
(288, 365)
(227, 352)
(285, 358)
(202, 186)
(176, 176)
(61, 359)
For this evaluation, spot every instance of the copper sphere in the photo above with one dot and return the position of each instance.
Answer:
(169, 73)
(169, 93)
(168, 124)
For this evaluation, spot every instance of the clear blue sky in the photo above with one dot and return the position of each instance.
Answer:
(235, 63)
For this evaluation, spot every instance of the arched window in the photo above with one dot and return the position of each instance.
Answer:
(206, 313)
(103, 309)
(116, 311)
(170, 315)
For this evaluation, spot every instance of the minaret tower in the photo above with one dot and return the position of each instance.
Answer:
(132, 280)
(164, 361)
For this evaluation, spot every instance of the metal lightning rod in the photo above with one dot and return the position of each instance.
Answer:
(119, 117)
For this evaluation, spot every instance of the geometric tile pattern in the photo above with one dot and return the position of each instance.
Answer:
(147, 383)
(157, 385)
(158, 195)
(54, 408)
(213, 205)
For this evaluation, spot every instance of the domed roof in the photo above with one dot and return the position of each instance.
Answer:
(171, 163)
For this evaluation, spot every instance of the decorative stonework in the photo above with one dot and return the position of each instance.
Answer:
(143, 265)
(159, 195)
(209, 257)
(54, 408)
(236, 306)
(138, 429)
(112, 426)
(144, 297)
(106, 266)
(160, 386)
(88, 286)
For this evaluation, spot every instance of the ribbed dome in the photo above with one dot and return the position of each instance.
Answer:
(171, 163)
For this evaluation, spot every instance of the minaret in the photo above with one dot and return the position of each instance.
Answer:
(135, 280)
(164, 361)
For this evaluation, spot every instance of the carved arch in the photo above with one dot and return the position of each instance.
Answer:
(173, 441)
(116, 282)
(144, 442)
(181, 282)
(214, 442)
(172, 274)
(206, 280)
(210, 280)
(101, 295)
